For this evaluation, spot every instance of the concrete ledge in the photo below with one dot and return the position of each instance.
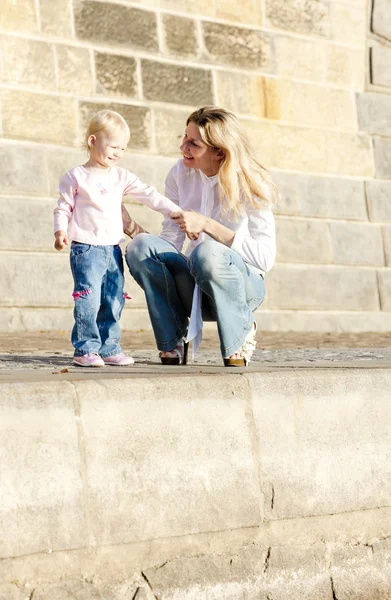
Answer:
(208, 486)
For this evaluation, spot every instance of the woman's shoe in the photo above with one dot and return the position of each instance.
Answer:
(176, 356)
(242, 357)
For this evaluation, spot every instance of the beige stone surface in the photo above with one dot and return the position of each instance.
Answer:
(19, 15)
(28, 62)
(137, 117)
(321, 288)
(116, 75)
(188, 460)
(348, 23)
(382, 156)
(373, 113)
(12, 592)
(59, 161)
(116, 24)
(42, 504)
(238, 46)
(381, 19)
(379, 200)
(74, 70)
(346, 66)
(300, 58)
(303, 241)
(380, 66)
(38, 117)
(23, 170)
(248, 11)
(321, 469)
(16, 213)
(357, 244)
(177, 84)
(251, 99)
(386, 231)
(150, 169)
(384, 279)
(51, 21)
(169, 130)
(300, 16)
(181, 37)
(202, 7)
(349, 154)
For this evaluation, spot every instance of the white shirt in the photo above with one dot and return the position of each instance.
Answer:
(255, 236)
(89, 206)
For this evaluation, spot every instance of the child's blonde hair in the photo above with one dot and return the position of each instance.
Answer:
(105, 120)
(242, 179)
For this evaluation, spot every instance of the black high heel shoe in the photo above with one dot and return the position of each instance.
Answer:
(180, 350)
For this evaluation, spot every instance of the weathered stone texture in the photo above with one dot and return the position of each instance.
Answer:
(303, 241)
(357, 244)
(300, 16)
(116, 24)
(38, 117)
(74, 70)
(116, 75)
(61, 161)
(180, 36)
(327, 197)
(384, 278)
(302, 59)
(12, 592)
(345, 66)
(374, 113)
(137, 117)
(250, 100)
(169, 130)
(382, 154)
(387, 244)
(16, 212)
(348, 154)
(42, 502)
(247, 11)
(202, 7)
(127, 465)
(28, 62)
(23, 171)
(381, 18)
(149, 169)
(56, 17)
(321, 288)
(379, 200)
(238, 46)
(177, 84)
(19, 15)
(381, 66)
(348, 23)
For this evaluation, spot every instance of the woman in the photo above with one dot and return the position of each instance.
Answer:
(224, 196)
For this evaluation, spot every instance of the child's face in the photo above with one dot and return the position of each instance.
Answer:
(107, 147)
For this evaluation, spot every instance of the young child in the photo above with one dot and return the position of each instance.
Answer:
(88, 215)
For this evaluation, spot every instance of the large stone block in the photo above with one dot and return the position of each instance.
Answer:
(321, 288)
(56, 18)
(374, 113)
(348, 154)
(345, 66)
(382, 155)
(251, 99)
(348, 23)
(28, 62)
(23, 170)
(116, 24)
(15, 213)
(38, 117)
(379, 200)
(299, 16)
(303, 241)
(298, 58)
(19, 15)
(247, 11)
(180, 36)
(42, 505)
(170, 127)
(116, 75)
(357, 244)
(175, 83)
(202, 7)
(381, 18)
(61, 161)
(150, 169)
(163, 466)
(384, 278)
(74, 70)
(12, 592)
(325, 448)
(149, 219)
(387, 244)
(238, 46)
(314, 196)
(137, 117)
(381, 66)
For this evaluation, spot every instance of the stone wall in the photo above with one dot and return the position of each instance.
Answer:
(310, 81)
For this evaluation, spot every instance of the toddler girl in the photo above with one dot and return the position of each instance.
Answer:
(88, 215)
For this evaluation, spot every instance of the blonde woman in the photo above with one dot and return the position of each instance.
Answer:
(224, 198)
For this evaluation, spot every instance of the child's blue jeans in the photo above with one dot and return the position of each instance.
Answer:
(98, 274)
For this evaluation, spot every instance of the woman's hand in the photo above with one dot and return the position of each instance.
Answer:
(189, 221)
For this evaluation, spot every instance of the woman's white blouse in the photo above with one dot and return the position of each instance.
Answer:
(255, 235)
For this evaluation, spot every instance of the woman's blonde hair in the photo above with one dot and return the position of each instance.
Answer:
(242, 179)
(105, 120)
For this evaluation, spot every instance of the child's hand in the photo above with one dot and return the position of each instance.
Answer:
(61, 240)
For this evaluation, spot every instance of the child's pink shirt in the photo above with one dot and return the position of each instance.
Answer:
(89, 206)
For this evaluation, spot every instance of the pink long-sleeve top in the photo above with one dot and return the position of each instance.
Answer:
(89, 206)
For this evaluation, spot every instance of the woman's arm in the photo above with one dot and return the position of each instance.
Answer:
(130, 227)
(191, 222)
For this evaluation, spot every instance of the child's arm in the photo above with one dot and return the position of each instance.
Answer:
(147, 194)
(63, 210)
(130, 227)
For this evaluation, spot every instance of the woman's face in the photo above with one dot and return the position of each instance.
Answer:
(197, 155)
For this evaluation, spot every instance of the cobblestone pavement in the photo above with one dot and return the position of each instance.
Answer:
(43, 350)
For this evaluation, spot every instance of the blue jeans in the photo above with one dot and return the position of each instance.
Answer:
(98, 274)
(231, 289)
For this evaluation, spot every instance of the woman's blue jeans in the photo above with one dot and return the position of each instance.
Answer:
(98, 274)
(232, 289)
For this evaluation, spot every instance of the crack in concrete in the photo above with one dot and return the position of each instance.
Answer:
(267, 559)
(149, 585)
(272, 499)
(135, 594)
(333, 589)
(32, 595)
